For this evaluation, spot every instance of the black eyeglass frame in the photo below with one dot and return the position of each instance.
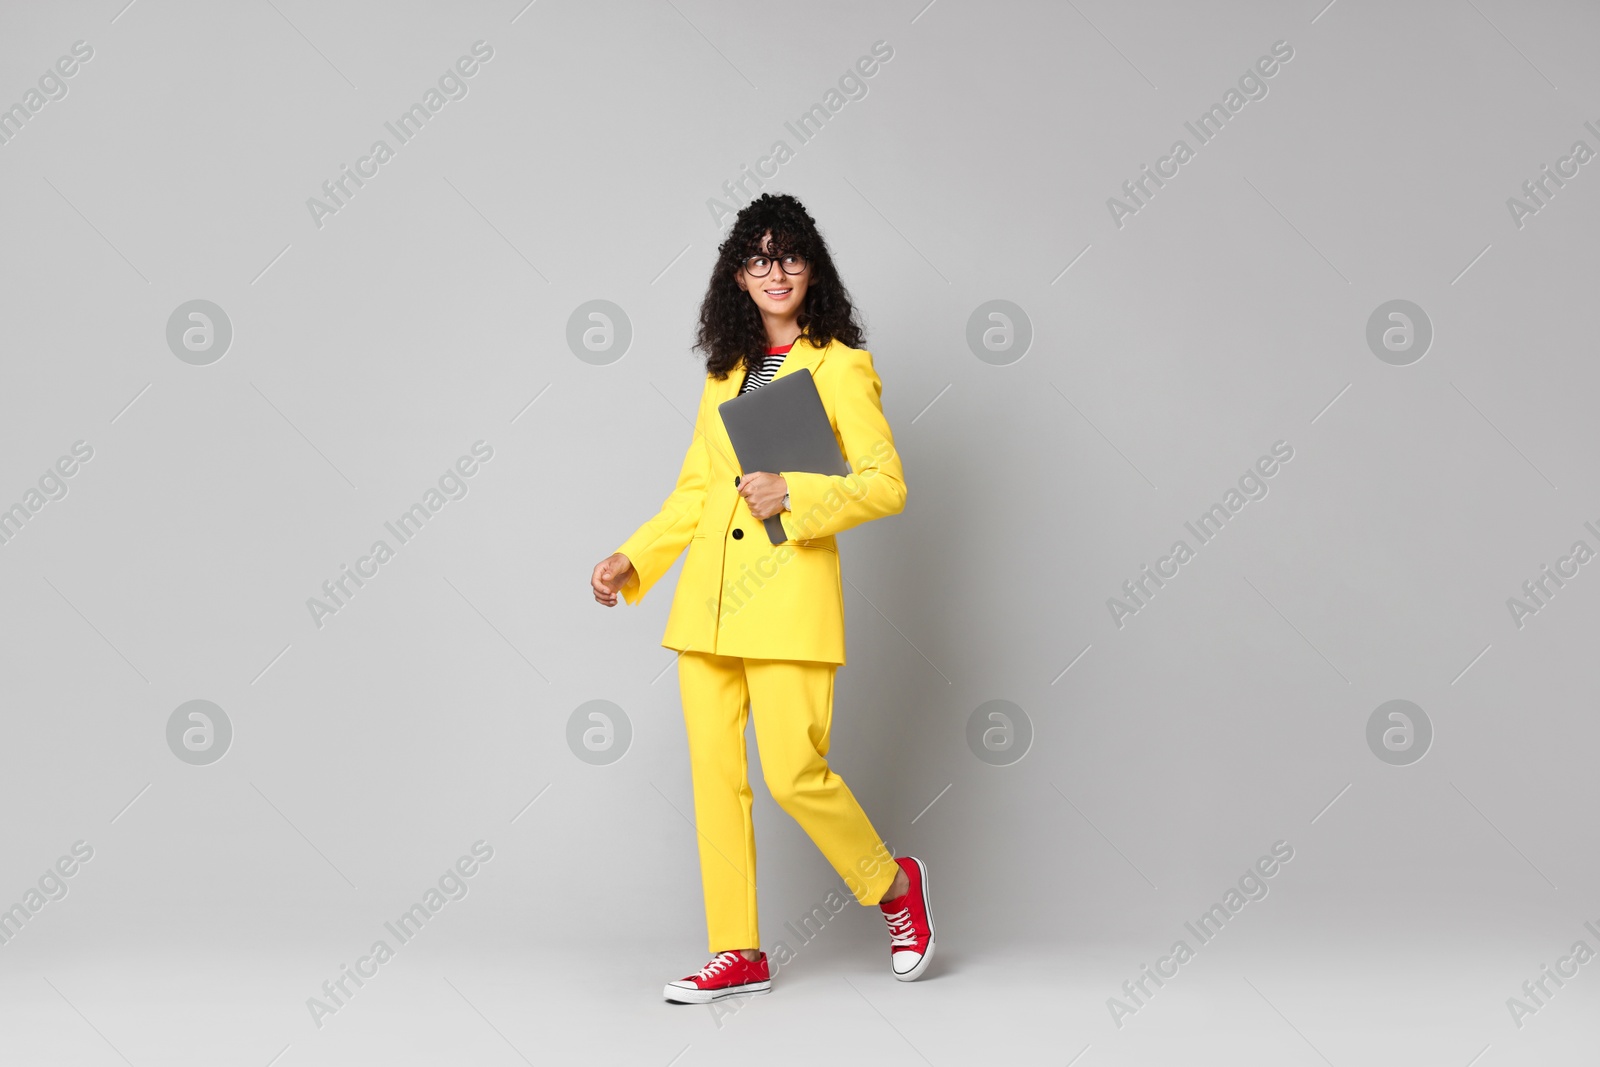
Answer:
(805, 265)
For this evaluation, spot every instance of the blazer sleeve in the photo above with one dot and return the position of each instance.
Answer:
(823, 504)
(656, 545)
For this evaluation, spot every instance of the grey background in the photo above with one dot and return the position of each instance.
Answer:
(432, 711)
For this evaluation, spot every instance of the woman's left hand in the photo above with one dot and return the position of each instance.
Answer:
(763, 493)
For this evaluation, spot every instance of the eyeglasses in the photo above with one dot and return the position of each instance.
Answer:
(761, 266)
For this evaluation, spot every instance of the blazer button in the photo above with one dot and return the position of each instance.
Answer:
(736, 479)
(737, 533)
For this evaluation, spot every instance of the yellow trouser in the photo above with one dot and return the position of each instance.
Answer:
(793, 705)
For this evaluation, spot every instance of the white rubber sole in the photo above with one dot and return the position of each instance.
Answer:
(927, 900)
(679, 995)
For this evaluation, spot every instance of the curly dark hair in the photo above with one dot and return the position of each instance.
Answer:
(730, 323)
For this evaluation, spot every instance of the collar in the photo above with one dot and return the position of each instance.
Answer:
(805, 353)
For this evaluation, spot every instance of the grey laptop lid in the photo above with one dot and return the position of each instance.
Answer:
(783, 426)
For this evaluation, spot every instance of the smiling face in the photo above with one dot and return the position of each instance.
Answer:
(779, 295)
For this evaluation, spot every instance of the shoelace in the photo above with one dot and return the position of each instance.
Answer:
(723, 960)
(904, 934)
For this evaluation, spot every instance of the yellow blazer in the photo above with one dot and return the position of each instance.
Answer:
(739, 594)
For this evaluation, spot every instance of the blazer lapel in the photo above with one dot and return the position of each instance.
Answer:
(803, 354)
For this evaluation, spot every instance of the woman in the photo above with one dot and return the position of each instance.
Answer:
(760, 627)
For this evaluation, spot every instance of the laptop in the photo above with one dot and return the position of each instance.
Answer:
(783, 426)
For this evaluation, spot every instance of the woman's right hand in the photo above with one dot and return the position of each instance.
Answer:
(610, 575)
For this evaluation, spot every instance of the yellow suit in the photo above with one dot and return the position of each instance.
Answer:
(739, 594)
(761, 627)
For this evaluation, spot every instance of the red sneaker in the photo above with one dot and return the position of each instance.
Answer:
(728, 974)
(910, 923)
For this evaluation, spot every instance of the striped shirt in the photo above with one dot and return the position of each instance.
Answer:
(762, 372)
